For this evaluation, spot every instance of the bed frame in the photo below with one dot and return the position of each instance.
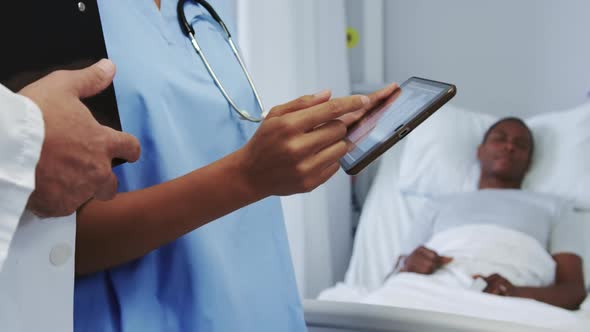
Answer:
(325, 316)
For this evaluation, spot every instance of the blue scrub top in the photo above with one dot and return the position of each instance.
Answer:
(234, 274)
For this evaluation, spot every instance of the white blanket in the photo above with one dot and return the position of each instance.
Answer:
(452, 289)
(514, 255)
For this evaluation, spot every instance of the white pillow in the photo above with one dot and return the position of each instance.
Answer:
(385, 223)
(440, 155)
(376, 242)
(561, 163)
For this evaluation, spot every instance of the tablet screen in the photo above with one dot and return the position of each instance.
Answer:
(383, 122)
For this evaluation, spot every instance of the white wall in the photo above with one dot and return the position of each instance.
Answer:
(505, 56)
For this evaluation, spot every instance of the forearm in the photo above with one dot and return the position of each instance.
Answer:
(133, 224)
(567, 296)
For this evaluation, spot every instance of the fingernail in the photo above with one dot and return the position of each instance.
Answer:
(322, 94)
(365, 100)
(106, 65)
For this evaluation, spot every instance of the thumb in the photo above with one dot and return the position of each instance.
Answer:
(445, 260)
(92, 80)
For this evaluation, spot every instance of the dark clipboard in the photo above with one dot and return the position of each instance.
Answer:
(40, 36)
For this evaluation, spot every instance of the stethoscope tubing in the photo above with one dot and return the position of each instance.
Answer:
(188, 30)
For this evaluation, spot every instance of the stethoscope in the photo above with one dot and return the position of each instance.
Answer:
(190, 32)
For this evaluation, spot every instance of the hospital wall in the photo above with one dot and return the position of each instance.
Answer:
(506, 57)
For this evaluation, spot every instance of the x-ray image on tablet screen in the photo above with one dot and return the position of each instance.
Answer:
(389, 122)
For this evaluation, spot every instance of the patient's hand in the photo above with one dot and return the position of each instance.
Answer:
(424, 261)
(498, 285)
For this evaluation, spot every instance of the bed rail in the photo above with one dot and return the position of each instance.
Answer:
(325, 316)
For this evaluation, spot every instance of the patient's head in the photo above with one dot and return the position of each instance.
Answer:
(505, 154)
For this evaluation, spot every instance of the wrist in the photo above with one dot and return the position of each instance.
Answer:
(517, 292)
(243, 176)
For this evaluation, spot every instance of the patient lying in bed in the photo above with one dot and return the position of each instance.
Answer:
(514, 245)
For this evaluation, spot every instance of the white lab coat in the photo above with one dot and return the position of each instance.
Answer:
(36, 256)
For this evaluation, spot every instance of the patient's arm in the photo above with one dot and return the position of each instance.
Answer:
(568, 291)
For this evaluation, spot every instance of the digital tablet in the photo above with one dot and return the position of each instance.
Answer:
(385, 125)
(40, 36)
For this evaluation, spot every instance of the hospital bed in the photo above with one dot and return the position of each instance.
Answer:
(438, 158)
